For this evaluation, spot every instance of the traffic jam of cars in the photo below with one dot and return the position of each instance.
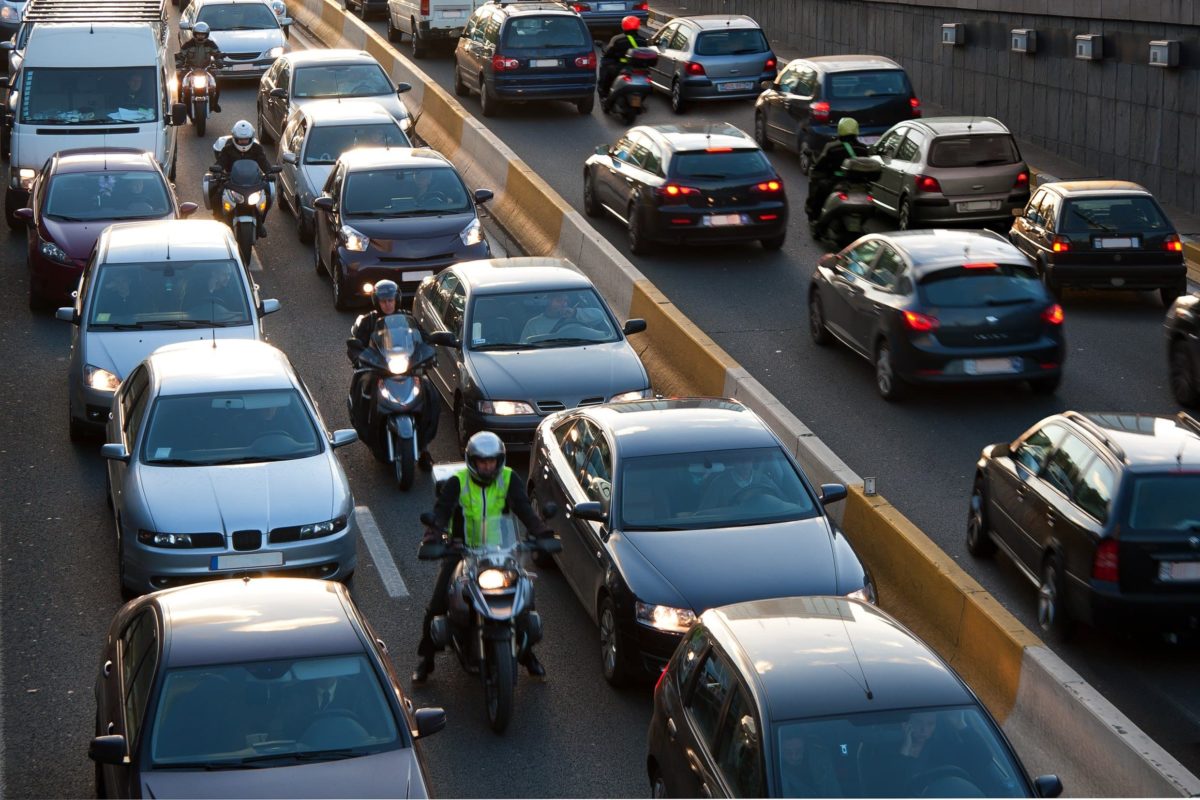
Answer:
(686, 529)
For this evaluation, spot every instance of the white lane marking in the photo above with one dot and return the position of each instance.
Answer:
(255, 262)
(380, 553)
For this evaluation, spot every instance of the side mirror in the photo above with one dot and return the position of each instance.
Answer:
(828, 261)
(279, 92)
(343, 437)
(275, 170)
(8, 45)
(550, 510)
(114, 451)
(269, 306)
(289, 158)
(178, 114)
(286, 22)
(66, 314)
(107, 749)
(24, 214)
(591, 511)
(633, 326)
(1047, 786)
(184, 25)
(402, 87)
(601, 149)
(187, 209)
(483, 195)
(323, 203)
(832, 493)
(429, 721)
(443, 339)
(430, 551)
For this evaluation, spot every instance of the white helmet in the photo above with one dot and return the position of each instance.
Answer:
(200, 29)
(243, 135)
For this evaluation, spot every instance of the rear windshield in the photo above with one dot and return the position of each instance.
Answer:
(1113, 215)
(735, 42)
(525, 33)
(1165, 503)
(727, 164)
(977, 150)
(975, 287)
(873, 83)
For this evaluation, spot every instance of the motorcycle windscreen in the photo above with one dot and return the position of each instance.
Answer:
(245, 172)
(396, 339)
(499, 533)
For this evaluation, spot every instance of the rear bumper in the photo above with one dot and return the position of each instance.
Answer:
(944, 210)
(569, 88)
(1103, 606)
(701, 89)
(935, 363)
(358, 271)
(428, 31)
(666, 224)
(1118, 276)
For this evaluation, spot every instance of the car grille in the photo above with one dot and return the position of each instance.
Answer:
(550, 406)
(247, 540)
(208, 539)
(437, 257)
(240, 56)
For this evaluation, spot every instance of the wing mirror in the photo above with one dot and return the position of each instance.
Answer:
(279, 92)
(443, 339)
(832, 493)
(402, 87)
(178, 114)
(591, 511)
(483, 195)
(8, 45)
(67, 314)
(187, 209)
(289, 158)
(828, 261)
(1047, 786)
(323, 203)
(107, 749)
(269, 306)
(343, 437)
(114, 451)
(24, 214)
(184, 25)
(429, 721)
(633, 326)
(286, 22)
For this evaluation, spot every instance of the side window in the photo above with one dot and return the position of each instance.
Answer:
(808, 83)
(858, 260)
(690, 653)
(1049, 211)
(491, 30)
(285, 76)
(139, 656)
(1033, 210)
(642, 156)
(682, 39)
(623, 150)
(887, 269)
(298, 135)
(1065, 469)
(273, 72)
(597, 472)
(438, 292)
(910, 150)
(738, 750)
(456, 303)
(708, 697)
(650, 156)
(1032, 452)
(1094, 493)
(890, 143)
(576, 445)
(472, 26)
(667, 34)
(788, 80)
(333, 186)
(133, 405)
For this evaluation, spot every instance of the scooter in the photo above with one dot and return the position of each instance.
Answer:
(246, 196)
(196, 90)
(630, 88)
(849, 210)
(387, 399)
(491, 620)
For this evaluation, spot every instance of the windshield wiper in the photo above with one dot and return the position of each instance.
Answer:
(654, 528)
(505, 346)
(249, 460)
(65, 218)
(567, 340)
(116, 326)
(309, 755)
(1090, 220)
(178, 462)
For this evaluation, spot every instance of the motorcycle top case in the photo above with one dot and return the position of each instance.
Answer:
(642, 57)
(861, 168)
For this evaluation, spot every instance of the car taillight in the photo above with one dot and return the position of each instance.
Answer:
(1060, 244)
(928, 184)
(674, 190)
(1054, 315)
(641, 6)
(424, 8)
(586, 62)
(979, 265)
(915, 104)
(1022, 180)
(770, 64)
(922, 323)
(819, 111)
(694, 68)
(769, 186)
(1106, 564)
(500, 63)
(1173, 244)
(579, 8)
(659, 682)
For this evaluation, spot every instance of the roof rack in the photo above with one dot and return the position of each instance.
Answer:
(1186, 420)
(95, 11)
(1095, 430)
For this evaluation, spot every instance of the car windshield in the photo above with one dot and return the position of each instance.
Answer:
(553, 318)
(168, 294)
(1113, 215)
(870, 83)
(712, 489)
(112, 195)
(405, 192)
(973, 150)
(981, 285)
(88, 96)
(529, 32)
(271, 713)
(233, 427)
(733, 42)
(927, 752)
(326, 143)
(719, 164)
(1165, 503)
(237, 17)
(342, 80)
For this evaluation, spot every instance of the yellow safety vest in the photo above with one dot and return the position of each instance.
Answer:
(632, 43)
(478, 502)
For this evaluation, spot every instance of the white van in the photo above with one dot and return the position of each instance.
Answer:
(428, 21)
(151, 11)
(89, 85)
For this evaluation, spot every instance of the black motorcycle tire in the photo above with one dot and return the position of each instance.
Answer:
(404, 464)
(245, 240)
(199, 117)
(499, 684)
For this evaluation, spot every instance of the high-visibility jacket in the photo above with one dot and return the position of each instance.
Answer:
(478, 502)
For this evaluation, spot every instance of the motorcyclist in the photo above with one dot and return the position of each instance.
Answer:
(615, 52)
(242, 145)
(827, 169)
(485, 483)
(200, 52)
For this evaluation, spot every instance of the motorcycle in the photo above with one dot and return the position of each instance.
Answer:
(849, 211)
(196, 90)
(489, 594)
(387, 400)
(630, 88)
(246, 196)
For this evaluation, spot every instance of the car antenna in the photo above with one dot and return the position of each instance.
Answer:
(212, 320)
(865, 685)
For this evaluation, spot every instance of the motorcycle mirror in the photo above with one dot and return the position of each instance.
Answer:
(483, 195)
(402, 87)
(550, 510)
(280, 93)
(431, 551)
(178, 114)
(427, 519)
(323, 203)
(187, 209)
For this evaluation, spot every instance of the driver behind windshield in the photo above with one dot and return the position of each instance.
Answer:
(558, 312)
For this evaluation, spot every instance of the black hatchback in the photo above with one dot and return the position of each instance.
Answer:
(939, 306)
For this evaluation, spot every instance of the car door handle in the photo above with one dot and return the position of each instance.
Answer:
(108, 665)
(672, 731)
(1050, 520)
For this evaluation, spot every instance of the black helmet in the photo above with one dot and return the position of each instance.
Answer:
(484, 444)
(384, 290)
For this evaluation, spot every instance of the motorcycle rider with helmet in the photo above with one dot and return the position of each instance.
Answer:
(615, 51)
(827, 169)
(200, 52)
(486, 482)
(241, 144)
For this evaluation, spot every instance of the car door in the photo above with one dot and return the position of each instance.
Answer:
(485, 45)
(597, 483)
(1008, 489)
(796, 113)
(325, 222)
(886, 189)
(454, 369)
(673, 763)
(737, 754)
(133, 399)
(616, 179)
(138, 664)
(277, 107)
(289, 167)
(848, 284)
(660, 73)
(576, 440)
(878, 295)
(773, 110)
(1027, 230)
(1054, 520)
(703, 711)
(429, 308)
(896, 182)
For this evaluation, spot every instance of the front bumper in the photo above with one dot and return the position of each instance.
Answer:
(91, 406)
(362, 268)
(1118, 276)
(924, 360)
(52, 281)
(515, 431)
(651, 648)
(245, 69)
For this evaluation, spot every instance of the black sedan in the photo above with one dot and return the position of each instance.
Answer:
(939, 307)
(264, 687)
(400, 213)
(687, 183)
(532, 337)
(822, 697)
(677, 506)
(1183, 348)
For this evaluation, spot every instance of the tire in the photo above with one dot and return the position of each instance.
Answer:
(405, 465)
(979, 539)
(816, 321)
(1053, 619)
(460, 87)
(498, 684)
(658, 787)
(760, 133)
(886, 381)
(585, 107)
(591, 206)
(460, 428)
(773, 243)
(304, 227)
(98, 779)
(1185, 384)
(1169, 295)
(199, 118)
(393, 33)
(340, 289)
(904, 218)
(1046, 386)
(614, 664)
(678, 103)
(489, 104)
(637, 238)
(420, 48)
(245, 241)
(76, 429)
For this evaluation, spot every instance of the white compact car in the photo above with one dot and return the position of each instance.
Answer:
(250, 34)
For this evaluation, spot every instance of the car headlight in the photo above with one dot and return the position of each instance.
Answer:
(492, 579)
(7, 13)
(504, 408)
(665, 618)
(398, 364)
(55, 253)
(275, 52)
(640, 394)
(156, 539)
(354, 240)
(101, 379)
(200, 82)
(472, 234)
(24, 178)
(319, 529)
(866, 594)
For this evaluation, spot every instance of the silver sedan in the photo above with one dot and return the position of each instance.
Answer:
(219, 465)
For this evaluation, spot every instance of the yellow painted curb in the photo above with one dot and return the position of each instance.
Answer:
(531, 205)
(684, 360)
(1191, 254)
(437, 111)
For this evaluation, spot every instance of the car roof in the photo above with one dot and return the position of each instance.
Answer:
(515, 8)
(697, 135)
(160, 240)
(107, 44)
(344, 55)
(681, 425)
(377, 157)
(945, 126)
(207, 366)
(344, 112)
(529, 274)
(848, 63)
(1150, 442)
(819, 656)
(1077, 188)
(708, 22)
(255, 619)
(91, 160)
(937, 248)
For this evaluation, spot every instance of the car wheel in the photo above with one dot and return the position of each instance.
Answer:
(1184, 383)
(460, 426)
(613, 661)
(420, 48)
(760, 132)
(658, 787)
(1170, 294)
(340, 289)
(393, 33)
(304, 226)
(1053, 619)
(585, 106)
(76, 429)
(637, 237)
(489, 104)
(979, 540)
(1048, 385)
(591, 205)
(773, 242)
(886, 379)
(816, 321)
(678, 104)
(905, 219)
(460, 86)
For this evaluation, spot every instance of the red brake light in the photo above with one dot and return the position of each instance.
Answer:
(586, 62)
(819, 111)
(641, 6)
(579, 8)
(843, 196)
(694, 68)
(928, 184)
(1060, 245)
(980, 265)
(770, 65)
(500, 63)
(1106, 565)
(769, 186)
(424, 8)
(1022, 181)
(922, 323)
(1173, 244)
(915, 104)
(673, 190)
(1054, 314)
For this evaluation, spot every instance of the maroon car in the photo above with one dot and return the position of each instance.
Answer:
(78, 194)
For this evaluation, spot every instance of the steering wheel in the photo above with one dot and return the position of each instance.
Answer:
(924, 779)
(362, 88)
(436, 197)
(751, 491)
(326, 157)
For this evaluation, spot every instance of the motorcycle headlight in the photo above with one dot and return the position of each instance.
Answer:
(24, 176)
(398, 364)
(236, 197)
(55, 253)
(255, 198)
(275, 52)
(472, 234)
(866, 594)
(200, 82)
(665, 618)
(492, 579)
(156, 539)
(353, 240)
(640, 394)
(101, 379)
(505, 408)
(319, 529)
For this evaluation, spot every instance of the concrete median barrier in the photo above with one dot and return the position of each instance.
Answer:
(1056, 721)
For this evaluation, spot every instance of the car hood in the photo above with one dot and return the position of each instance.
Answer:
(121, 351)
(395, 773)
(719, 566)
(255, 41)
(390, 102)
(75, 238)
(413, 237)
(238, 497)
(565, 374)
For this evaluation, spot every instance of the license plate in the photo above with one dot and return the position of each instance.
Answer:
(456, 14)
(1179, 570)
(723, 220)
(978, 205)
(610, 6)
(868, 139)
(418, 275)
(543, 62)
(1116, 243)
(735, 86)
(241, 66)
(246, 561)
(990, 366)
